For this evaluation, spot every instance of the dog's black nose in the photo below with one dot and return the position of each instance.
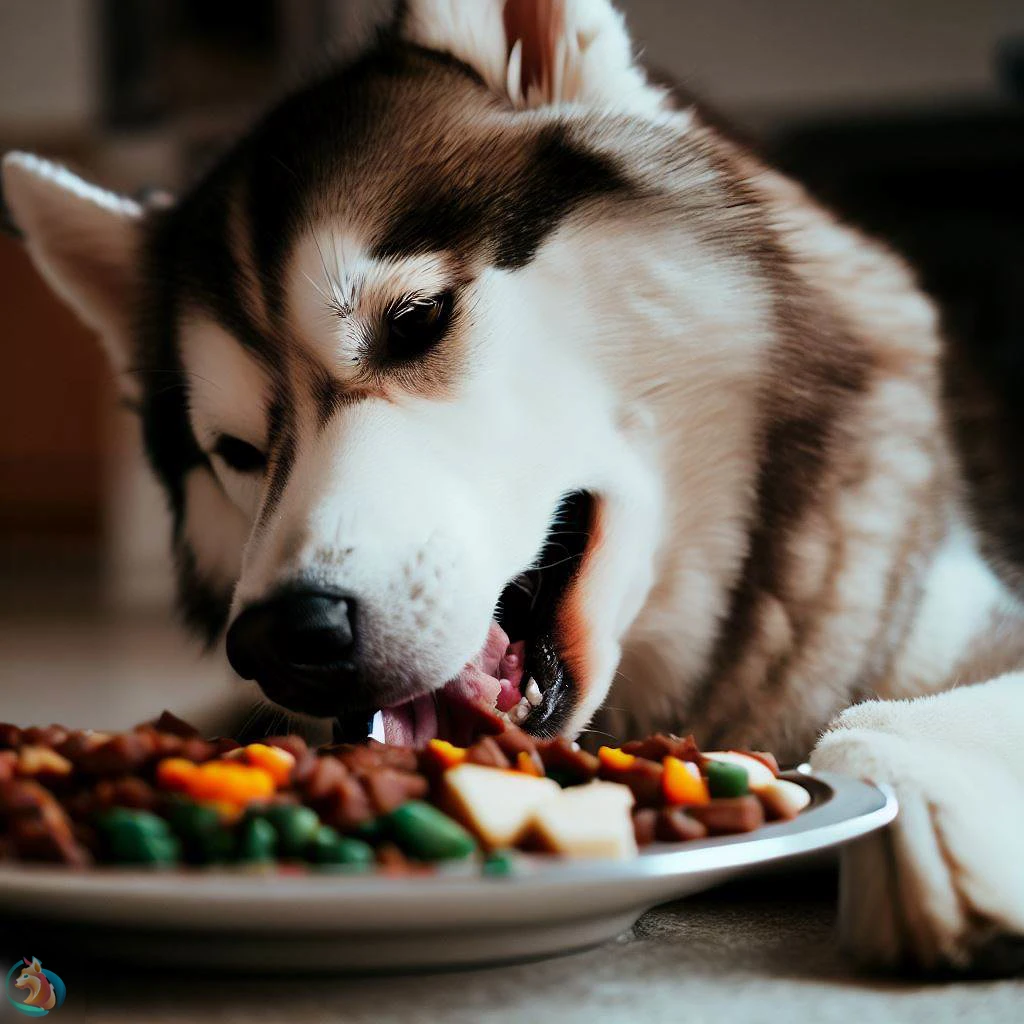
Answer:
(299, 645)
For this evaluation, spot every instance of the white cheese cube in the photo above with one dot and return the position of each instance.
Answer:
(588, 821)
(494, 803)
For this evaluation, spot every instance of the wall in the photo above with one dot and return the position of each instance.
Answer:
(48, 84)
(769, 57)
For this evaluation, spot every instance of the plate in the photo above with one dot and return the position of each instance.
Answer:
(220, 918)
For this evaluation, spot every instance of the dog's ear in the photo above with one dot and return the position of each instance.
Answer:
(83, 240)
(538, 52)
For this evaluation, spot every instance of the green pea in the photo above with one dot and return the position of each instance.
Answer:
(145, 822)
(204, 836)
(426, 833)
(138, 837)
(257, 841)
(295, 826)
(330, 848)
(726, 779)
(499, 864)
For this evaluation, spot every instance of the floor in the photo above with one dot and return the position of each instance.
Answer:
(765, 952)
(754, 955)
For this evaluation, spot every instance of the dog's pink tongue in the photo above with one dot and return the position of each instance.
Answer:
(411, 724)
(491, 680)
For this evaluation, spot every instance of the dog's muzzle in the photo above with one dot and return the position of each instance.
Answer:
(300, 646)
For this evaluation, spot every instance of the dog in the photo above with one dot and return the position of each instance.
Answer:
(480, 369)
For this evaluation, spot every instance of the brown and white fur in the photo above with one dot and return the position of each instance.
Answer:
(751, 390)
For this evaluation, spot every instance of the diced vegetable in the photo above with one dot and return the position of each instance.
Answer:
(493, 803)
(426, 833)
(235, 783)
(446, 754)
(275, 761)
(499, 864)
(328, 847)
(527, 764)
(138, 837)
(613, 757)
(204, 837)
(295, 826)
(759, 774)
(680, 786)
(227, 781)
(257, 841)
(726, 779)
(175, 773)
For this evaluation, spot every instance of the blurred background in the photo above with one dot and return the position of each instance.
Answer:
(907, 115)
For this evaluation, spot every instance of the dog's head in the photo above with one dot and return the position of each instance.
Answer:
(385, 357)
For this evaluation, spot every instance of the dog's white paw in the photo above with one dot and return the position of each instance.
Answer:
(943, 887)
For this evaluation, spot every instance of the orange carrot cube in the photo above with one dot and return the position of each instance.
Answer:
(680, 786)
(275, 761)
(616, 759)
(447, 754)
(175, 773)
(526, 764)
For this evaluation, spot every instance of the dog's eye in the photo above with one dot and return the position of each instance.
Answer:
(239, 455)
(415, 326)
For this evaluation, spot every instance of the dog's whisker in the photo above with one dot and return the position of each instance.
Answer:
(598, 732)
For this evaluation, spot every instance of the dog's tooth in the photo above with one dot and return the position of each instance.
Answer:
(533, 694)
(519, 712)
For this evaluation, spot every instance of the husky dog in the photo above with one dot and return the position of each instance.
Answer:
(479, 369)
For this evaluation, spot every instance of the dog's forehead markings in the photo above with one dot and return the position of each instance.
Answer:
(338, 292)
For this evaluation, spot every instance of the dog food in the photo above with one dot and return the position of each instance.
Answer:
(163, 795)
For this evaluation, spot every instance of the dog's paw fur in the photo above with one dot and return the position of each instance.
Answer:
(942, 889)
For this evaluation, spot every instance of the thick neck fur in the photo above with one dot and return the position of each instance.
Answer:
(815, 548)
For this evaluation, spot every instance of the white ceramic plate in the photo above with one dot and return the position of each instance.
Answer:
(221, 918)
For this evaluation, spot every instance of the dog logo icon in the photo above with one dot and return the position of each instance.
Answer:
(32, 990)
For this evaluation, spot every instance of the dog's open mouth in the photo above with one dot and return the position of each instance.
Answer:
(520, 675)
